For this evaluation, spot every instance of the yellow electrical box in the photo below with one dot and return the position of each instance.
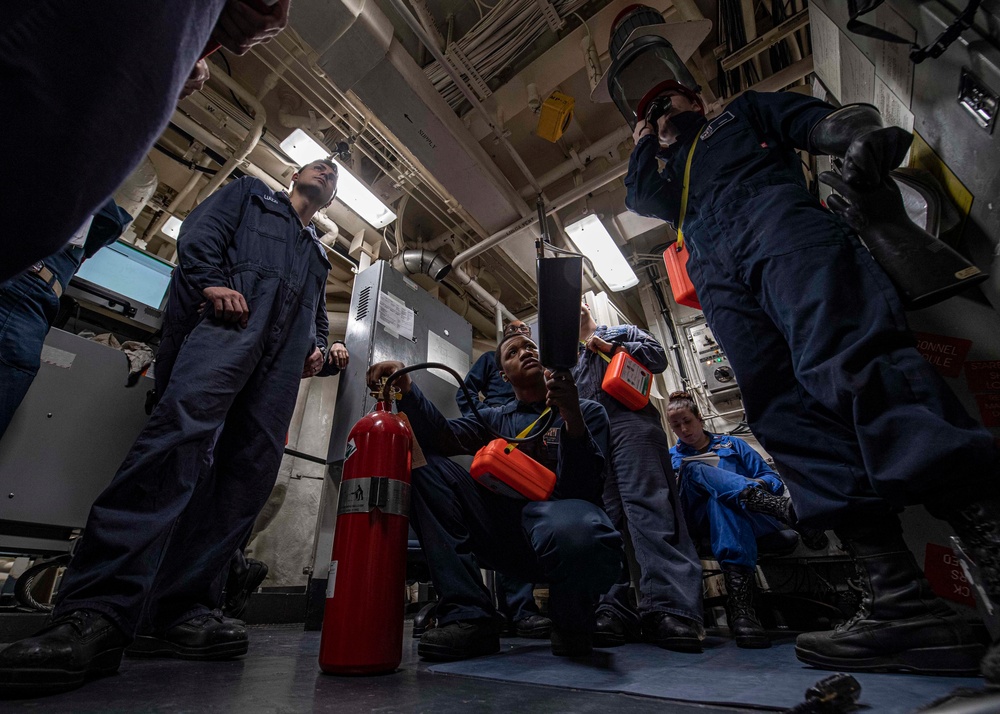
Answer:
(555, 116)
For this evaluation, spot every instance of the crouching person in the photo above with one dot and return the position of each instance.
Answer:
(567, 541)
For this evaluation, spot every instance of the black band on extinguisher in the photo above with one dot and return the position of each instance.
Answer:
(362, 495)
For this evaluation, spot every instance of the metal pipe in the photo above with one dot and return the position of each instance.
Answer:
(566, 199)
(249, 142)
(499, 319)
(580, 160)
(177, 200)
(466, 281)
(428, 41)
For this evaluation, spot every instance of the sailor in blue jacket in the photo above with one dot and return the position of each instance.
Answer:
(857, 422)
(517, 598)
(567, 541)
(715, 475)
(641, 491)
(246, 319)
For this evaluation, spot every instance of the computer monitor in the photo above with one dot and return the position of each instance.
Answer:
(131, 273)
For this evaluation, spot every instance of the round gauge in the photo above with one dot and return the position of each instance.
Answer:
(724, 374)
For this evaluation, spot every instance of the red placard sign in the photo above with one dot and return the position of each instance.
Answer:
(989, 408)
(947, 354)
(983, 376)
(944, 572)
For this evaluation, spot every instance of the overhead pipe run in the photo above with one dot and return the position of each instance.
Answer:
(249, 142)
(425, 262)
(430, 44)
(579, 160)
(566, 199)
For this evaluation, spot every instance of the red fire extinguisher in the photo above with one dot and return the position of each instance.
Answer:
(363, 621)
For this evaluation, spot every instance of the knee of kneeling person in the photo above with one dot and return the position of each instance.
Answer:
(574, 537)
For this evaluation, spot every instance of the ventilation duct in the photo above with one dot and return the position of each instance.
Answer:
(422, 262)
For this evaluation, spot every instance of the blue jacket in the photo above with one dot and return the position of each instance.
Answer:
(591, 367)
(735, 456)
(577, 463)
(248, 238)
(746, 176)
(484, 377)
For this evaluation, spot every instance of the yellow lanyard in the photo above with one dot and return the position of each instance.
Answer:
(606, 358)
(684, 194)
(527, 430)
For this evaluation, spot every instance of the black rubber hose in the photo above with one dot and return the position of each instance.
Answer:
(387, 391)
(22, 588)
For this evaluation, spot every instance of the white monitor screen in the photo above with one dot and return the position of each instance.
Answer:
(128, 272)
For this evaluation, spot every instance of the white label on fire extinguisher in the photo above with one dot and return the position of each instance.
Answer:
(331, 582)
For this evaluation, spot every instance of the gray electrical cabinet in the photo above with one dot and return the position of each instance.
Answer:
(390, 318)
(66, 442)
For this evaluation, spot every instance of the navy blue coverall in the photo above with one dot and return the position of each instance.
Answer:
(710, 496)
(162, 532)
(832, 384)
(567, 541)
(517, 598)
(641, 491)
(28, 305)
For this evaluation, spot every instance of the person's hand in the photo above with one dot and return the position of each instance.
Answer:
(196, 80)
(872, 155)
(338, 356)
(863, 208)
(227, 305)
(596, 344)
(642, 128)
(386, 369)
(243, 25)
(314, 363)
(563, 395)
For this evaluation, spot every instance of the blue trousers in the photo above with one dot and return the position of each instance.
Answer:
(641, 490)
(160, 536)
(119, 70)
(517, 598)
(569, 544)
(711, 504)
(27, 308)
(832, 383)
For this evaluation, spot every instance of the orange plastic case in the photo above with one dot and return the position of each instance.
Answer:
(628, 381)
(512, 474)
(680, 282)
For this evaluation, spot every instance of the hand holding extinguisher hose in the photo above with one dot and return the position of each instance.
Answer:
(387, 393)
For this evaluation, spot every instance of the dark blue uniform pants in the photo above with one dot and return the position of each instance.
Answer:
(27, 308)
(569, 544)
(832, 384)
(170, 521)
(711, 503)
(641, 491)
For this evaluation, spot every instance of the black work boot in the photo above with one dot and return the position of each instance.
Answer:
(245, 576)
(611, 631)
(759, 500)
(75, 647)
(743, 622)
(205, 637)
(978, 528)
(672, 632)
(533, 627)
(460, 640)
(901, 625)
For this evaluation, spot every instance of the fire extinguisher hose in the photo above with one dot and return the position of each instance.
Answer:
(387, 392)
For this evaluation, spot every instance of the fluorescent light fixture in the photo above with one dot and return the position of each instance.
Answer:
(359, 198)
(594, 241)
(303, 149)
(172, 227)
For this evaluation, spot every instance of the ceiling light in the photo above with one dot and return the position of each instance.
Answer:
(359, 198)
(303, 149)
(172, 227)
(594, 241)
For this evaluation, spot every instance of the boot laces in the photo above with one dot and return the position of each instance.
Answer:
(740, 592)
(864, 607)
